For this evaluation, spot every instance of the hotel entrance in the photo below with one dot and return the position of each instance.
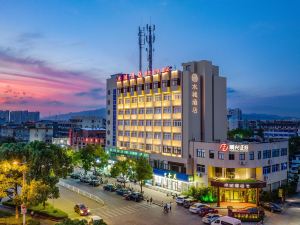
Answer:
(238, 195)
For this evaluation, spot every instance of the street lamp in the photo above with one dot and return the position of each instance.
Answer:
(23, 189)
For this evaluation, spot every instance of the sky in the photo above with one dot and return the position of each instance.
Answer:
(55, 55)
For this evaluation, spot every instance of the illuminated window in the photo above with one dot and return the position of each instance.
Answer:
(157, 98)
(157, 148)
(148, 147)
(149, 135)
(133, 134)
(167, 149)
(167, 97)
(176, 136)
(141, 134)
(141, 146)
(141, 99)
(177, 150)
(157, 110)
(134, 100)
(157, 135)
(120, 112)
(176, 109)
(148, 98)
(120, 133)
(176, 96)
(120, 101)
(167, 109)
(167, 136)
(127, 100)
(200, 168)
(141, 111)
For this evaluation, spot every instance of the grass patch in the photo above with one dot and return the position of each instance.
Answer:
(4, 214)
(49, 210)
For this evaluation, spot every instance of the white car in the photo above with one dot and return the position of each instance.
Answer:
(180, 199)
(210, 217)
(227, 220)
(195, 208)
(94, 219)
(122, 179)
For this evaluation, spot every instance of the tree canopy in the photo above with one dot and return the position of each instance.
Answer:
(143, 171)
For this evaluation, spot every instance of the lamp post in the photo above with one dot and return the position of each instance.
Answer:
(23, 206)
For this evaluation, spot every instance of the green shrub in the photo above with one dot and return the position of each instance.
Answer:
(33, 222)
(5, 214)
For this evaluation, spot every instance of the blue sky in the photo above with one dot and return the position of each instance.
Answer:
(55, 55)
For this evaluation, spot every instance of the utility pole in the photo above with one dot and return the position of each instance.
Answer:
(141, 35)
(150, 39)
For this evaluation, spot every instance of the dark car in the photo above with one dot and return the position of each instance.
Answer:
(188, 202)
(273, 207)
(81, 209)
(134, 196)
(109, 187)
(122, 191)
(85, 179)
(75, 175)
(206, 210)
(95, 182)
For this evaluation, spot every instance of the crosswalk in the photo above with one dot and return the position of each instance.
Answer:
(110, 212)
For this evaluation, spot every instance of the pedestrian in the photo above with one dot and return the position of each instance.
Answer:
(170, 207)
(147, 201)
(151, 201)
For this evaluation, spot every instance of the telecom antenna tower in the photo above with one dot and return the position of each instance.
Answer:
(150, 39)
(141, 43)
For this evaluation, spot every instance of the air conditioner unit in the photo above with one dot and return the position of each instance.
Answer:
(243, 163)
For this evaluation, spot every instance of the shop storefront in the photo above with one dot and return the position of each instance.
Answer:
(115, 153)
(244, 191)
(171, 180)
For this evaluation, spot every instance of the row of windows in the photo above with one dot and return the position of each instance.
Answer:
(155, 110)
(150, 98)
(165, 123)
(274, 168)
(242, 156)
(154, 135)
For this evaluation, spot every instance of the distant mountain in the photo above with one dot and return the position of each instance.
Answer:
(255, 116)
(96, 112)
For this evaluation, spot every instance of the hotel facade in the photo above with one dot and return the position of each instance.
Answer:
(167, 115)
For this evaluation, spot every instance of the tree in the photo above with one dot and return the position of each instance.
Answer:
(91, 156)
(143, 171)
(123, 168)
(35, 193)
(239, 134)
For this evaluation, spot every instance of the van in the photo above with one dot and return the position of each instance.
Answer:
(227, 220)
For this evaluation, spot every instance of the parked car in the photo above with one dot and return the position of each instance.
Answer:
(75, 175)
(81, 209)
(195, 208)
(122, 179)
(180, 199)
(210, 217)
(95, 182)
(109, 187)
(134, 196)
(226, 220)
(85, 179)
(273, 207)
(205, 210)
(188, 202)
(93, 220)
(97, 173)
(122, 191)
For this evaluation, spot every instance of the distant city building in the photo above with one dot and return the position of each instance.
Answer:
(80, 137)
(4, 116)
(62, 128)
(234, 117)
(20, 132)
(63, 142)
(41, 131)
(19, 117)
(93, 122)
(279, 129)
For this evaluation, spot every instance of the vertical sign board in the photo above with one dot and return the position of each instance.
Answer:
(194, 104)
(195, 93)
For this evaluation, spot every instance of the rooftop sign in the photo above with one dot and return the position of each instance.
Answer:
(234, 147)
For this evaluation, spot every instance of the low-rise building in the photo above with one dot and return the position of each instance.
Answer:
(93, 122)
(41, 131)
(80, 137)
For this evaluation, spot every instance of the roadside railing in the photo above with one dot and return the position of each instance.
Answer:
(81, 192)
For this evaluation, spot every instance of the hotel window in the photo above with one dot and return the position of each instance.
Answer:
(177, 136)
(127, 133)
(266, 169)
(141, 146)
(120, 101)
(211, 154)
(177, 96)
(141, 111)
(221, 155)
(133, 123)
(157, 110)
(120, 133)
(157, 135)
(125, 90)
(132, 88)
(259, 155)
(149, 110)
(141, 123)
(148, 98)
(167, 123)
(148, 86)
(157, 122)
(141, 99)
(175, 81)
(167, 109)
(231, 156)
(149, 135)
(167, 97)
(133, 111)
(177, 109)
(126, 122)
(157, 98)
(283, 151)
(127, 100)
(148, 147)
(275, 168)
(275, 152)
(167, 136)
(200, 153)
(157, 148)
(120, 112)
(251, 155)
(177, 150)
(167, 149)
(120, 122)
(141, 134)
(242, 156)
(127, 111)
(133, 134)
(134, 100)
(140, 87)
(156, 84)
(148, 122)
(200, 168)
(266, 154)
(218, 171)
(283, 166)
(165, 83)
(177, 123)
